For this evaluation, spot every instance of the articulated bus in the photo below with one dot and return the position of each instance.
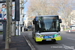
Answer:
(46, 28)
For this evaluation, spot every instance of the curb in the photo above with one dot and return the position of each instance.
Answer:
(29, 43)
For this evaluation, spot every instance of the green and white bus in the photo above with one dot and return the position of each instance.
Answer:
(46, 28)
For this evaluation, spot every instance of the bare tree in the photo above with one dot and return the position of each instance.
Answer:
(7, 28)
(50, 7)
(10, 21)
(37, 7)
(73, 15)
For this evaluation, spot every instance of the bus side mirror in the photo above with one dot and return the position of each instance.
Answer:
(34, 22)
(60, 21)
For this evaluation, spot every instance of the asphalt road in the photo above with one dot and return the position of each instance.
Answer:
(67, 42)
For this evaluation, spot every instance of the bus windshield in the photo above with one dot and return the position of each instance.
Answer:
(49, 25)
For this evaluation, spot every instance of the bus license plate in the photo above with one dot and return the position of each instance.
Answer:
(48, 39)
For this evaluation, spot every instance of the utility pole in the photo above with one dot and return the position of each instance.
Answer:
(7, 28)
(10, 20)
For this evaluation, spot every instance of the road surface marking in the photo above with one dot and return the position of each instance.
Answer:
(71, 38)
(68, 47)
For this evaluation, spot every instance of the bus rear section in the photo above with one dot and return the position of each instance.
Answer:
(46, 28)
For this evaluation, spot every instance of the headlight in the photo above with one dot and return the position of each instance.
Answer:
(37, 35)
(58, 33)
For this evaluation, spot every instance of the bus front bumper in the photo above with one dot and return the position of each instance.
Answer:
(58, 38)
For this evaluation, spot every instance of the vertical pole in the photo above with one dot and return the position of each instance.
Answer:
(18, 28)
(4, 30)
(21, 11)
(15, 28)
(7, 29)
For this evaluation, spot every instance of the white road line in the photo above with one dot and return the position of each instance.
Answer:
(71, 38)
(68, 47)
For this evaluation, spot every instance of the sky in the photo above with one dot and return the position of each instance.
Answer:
(25, 9)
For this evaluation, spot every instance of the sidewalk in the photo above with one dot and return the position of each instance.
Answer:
(18, 43)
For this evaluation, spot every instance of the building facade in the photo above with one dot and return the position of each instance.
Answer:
(28, 21)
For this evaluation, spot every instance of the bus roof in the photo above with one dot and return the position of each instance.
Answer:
(47, 16)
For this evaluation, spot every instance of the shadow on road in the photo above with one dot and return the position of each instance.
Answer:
(46, 43)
